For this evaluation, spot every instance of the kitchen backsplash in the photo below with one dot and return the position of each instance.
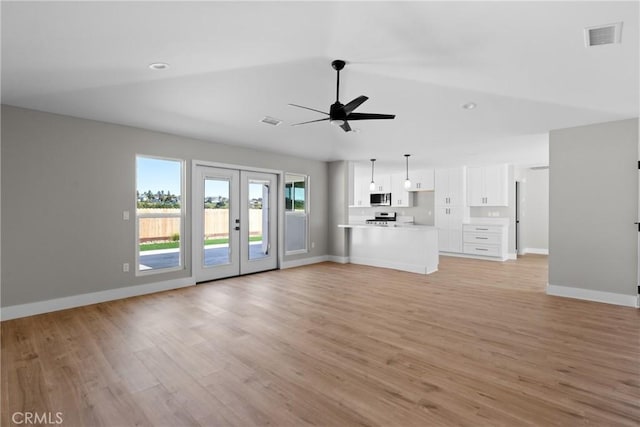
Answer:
(422, 210)
(490, 212)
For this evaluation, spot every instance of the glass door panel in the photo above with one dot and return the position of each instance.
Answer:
(258, 238)
(258, 251)
(216, 224)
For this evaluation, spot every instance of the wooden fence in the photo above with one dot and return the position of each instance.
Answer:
(215, 224)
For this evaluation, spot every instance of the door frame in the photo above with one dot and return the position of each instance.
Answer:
(279, 205)
(231, 268)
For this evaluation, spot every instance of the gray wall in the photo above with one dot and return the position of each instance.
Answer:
(338, 210)
(593, 204)
(65, 184)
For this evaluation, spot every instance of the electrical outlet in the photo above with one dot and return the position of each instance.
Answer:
(125, 267)
(125, 215)
(313, 245)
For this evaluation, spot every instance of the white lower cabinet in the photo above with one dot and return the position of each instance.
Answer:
(486, 240)
(449, 222)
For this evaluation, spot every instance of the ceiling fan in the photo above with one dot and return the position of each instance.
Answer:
(340, 114)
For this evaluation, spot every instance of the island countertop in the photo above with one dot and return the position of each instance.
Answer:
(400, 225)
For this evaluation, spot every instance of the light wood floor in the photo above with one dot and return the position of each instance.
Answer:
(477, 343)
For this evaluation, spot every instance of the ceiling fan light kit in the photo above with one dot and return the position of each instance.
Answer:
(340, 114)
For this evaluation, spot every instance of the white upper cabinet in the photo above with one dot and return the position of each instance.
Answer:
(488, 186)
(361, 180)
(450, 187)
(383, 183)
(421, 179)
(400, 197)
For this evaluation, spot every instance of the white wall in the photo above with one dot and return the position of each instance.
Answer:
(66, 182)
(593, 204)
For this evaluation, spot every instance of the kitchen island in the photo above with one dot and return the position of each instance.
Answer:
(405, 247)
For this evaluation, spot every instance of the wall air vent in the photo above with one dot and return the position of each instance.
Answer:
(271, 121)
(602, 34)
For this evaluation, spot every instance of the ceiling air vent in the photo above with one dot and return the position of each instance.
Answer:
(271, 121)
(602, 34)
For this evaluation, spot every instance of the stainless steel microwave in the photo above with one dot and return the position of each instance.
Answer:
(380, 199)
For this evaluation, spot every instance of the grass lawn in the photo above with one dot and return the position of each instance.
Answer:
(173, 245)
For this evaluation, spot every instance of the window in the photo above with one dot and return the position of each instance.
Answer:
(296, 204)
(159, 214)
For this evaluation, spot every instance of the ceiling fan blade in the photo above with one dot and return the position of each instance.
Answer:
(307, 108)
(310, 121)
(345, 126)
(369, 116)
(348, 108)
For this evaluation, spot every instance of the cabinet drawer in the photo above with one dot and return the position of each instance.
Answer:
(483, 238)
(482, 228)
(480, 249)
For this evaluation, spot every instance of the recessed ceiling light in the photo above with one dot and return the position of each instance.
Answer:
(158, 66)
(469, 106)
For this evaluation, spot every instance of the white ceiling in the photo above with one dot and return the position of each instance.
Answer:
(523, 63)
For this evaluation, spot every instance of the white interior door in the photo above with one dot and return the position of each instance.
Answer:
(259, 215)
(216, 218)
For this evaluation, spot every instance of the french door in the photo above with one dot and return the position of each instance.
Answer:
(235, 222)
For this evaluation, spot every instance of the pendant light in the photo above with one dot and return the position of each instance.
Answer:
(372, 186)
(407, 182)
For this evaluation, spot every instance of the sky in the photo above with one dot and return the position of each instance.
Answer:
(160, 174)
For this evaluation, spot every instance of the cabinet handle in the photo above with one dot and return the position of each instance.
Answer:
(482, 238)
(482, 229)
(481, 249)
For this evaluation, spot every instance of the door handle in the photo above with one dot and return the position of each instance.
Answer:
(237, 227)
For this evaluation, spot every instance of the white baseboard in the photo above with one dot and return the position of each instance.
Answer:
(512, 256)
(339, 259)
(591, 295)
(304, 261)
(538, 251)
(30, 309)
(470, 256)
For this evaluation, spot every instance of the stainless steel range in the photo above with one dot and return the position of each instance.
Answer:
(383, 218)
